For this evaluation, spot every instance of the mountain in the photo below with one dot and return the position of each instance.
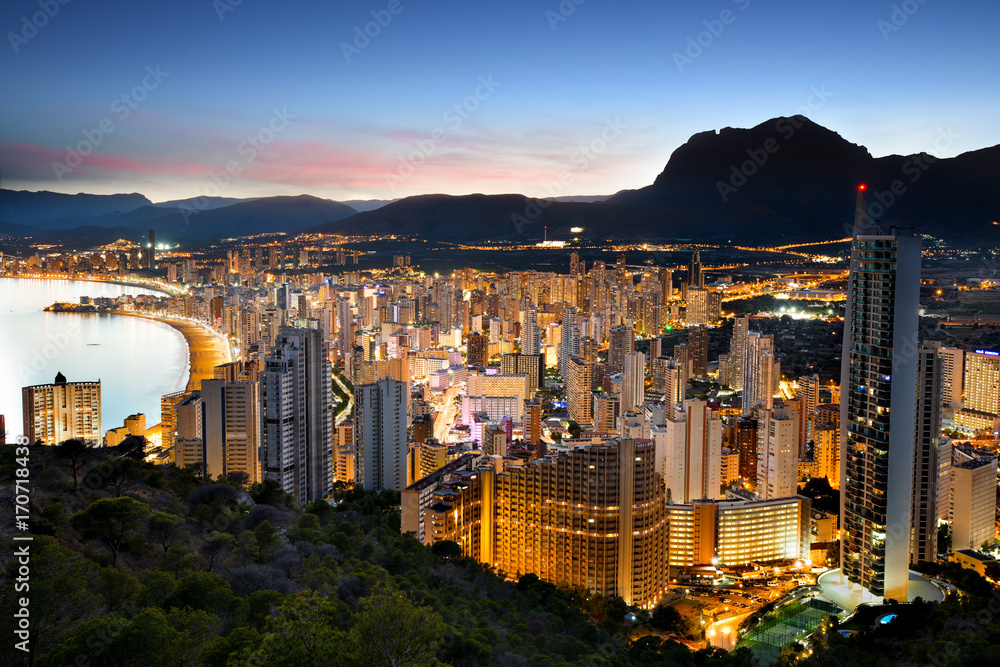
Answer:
(367, 204)
(804, 173)
(203, 203)
(21, 207)
(515, 217)
(189, 222)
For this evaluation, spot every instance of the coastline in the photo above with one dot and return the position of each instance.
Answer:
(205, 350)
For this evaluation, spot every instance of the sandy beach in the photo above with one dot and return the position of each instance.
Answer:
(205, 349)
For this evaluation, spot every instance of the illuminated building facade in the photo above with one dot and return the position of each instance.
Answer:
(735, 533)
(593, 516)
(878, 408)
(54, 413)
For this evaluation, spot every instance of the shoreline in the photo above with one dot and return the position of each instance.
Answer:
(205, 351)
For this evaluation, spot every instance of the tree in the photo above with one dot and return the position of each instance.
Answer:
(668, 618)
(390, 630)
(133, 447)
(125, 474)
(217, 544)
(268, 492)
(77, 454)
(447, 549)
(944, 539)
(111, 520)
(304, 631)
(165, 529)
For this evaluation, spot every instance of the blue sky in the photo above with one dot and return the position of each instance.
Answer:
(260, 98)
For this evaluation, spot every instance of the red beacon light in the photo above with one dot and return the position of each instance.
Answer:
(861, 187)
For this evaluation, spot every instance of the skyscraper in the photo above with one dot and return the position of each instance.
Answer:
(633, 381)
(738, 350)
(62, 411)
(878, 407)
(478, 349)
(926, 468)
(758, 372)
(297, 392)
(380, 435)
(569, 340)
(530, 335)
(620, 343)
(698, 350)
(690, 446)
(695, 277)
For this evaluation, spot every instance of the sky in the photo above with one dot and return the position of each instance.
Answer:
(390, 98)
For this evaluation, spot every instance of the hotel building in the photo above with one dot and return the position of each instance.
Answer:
(54, 413)
(593, 516)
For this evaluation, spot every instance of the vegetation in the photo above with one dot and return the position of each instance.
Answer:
(173, 569)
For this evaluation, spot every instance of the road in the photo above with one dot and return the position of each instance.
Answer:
(446, 416)
(723, 634)
(349, 410)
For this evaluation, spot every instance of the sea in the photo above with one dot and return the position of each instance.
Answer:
(137, 360)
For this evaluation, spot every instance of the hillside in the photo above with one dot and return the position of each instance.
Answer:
(144, 565)
(21, 207)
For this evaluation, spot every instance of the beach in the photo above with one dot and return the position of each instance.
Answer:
(205, 349)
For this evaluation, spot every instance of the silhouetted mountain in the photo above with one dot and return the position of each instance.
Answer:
(203, 203)
(516, 217)
(21, 207)
(187, 222)
(803, 172)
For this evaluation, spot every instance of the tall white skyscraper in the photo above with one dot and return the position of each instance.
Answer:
(570, 339)
(380, 444)
(758, 372)
(690, 447)
(298, 415)
(878, 407)
(530, 335)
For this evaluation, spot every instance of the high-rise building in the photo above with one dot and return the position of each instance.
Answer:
(925, 460)
(981, 397)
(533, 420)
(218, 429)
(297, 394)
(633, 381)
(973, 502)
(606, 410)
(532, 366)
(738, 350)
(612, 543)
(380, 435)
(777, 469)
(478, 349)
(758, 372)
(579, 382)
(151, 251)
(697, 306)
(695, 277)
(746, 449)
(952, 375)
(698, 350)
(62, 411)
(690, 446)
(620, 343)
(878, 407)
(569, 345)
(530, 334)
